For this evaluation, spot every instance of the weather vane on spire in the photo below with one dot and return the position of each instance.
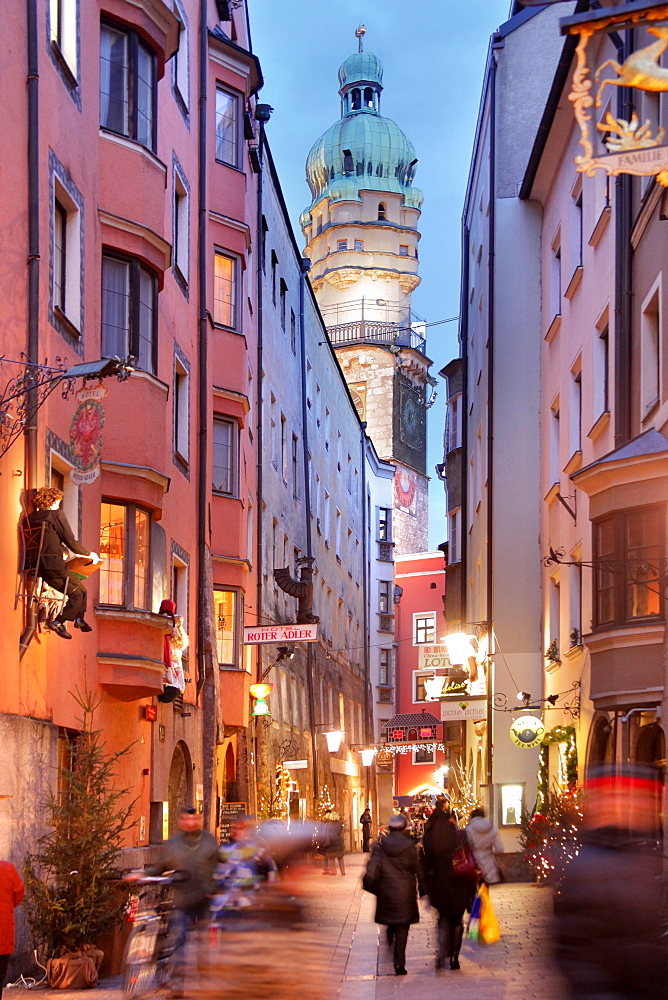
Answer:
(359, 34)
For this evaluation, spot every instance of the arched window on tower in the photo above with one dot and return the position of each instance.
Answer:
(357, 99)
(368, 97)
(382, 214)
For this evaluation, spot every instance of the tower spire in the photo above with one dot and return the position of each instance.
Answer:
(359, 35)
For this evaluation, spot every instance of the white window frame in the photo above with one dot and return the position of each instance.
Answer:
(63, 33)
(425, 763)
(181, 410)
(181, 60)
(231, 486)
(650, 349)
(70, 308)
(180, 224)
(417, 676)
(228, 150)
(424, 617)
(454, 535)
(226, 316)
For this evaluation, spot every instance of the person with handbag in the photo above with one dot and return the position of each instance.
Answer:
(452, 878)
(395, 875)
(486, 843)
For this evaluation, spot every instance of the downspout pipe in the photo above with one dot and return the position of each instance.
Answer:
(366, 566)
(30, 432)
(259, 311)
(623, 270)
(491, 267)
(464, 348)
(33, 241)
(307, 570)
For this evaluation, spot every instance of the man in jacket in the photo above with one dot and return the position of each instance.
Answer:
(48, 535)
(395, 874)
(11, 894)
(192, 854)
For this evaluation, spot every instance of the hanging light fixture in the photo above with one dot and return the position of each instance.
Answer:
(367, 756)
(460, 648)
(260, 692)
(334, 740)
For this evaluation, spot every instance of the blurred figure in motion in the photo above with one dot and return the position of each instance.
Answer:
(610, 920)
(334, 851)
(366, 823)
(449, 893)
(394, 875)
(245, 866)
(192, 854)
(485, 841)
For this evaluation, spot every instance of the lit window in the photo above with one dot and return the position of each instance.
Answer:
(224, 290)
(129, 293)
(227, 127)
(629, 559)
(127, 85)
(125, 532)
(419, 677)
(225, 610)
(225, 445)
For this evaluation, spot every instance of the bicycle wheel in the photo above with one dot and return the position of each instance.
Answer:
(139, 966)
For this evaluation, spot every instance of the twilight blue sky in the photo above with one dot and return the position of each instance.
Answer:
(433, 54)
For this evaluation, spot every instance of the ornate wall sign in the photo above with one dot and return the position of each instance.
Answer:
(527, 731)
(86, 434)
(633, 146)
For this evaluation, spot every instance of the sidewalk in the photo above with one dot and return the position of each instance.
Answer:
(360, 965)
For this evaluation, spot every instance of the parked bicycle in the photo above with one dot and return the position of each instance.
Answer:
(148, 954)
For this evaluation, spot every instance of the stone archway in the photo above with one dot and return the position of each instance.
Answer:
(230, 775)
(180, 786)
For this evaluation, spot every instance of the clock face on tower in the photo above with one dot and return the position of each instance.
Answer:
(412, 418)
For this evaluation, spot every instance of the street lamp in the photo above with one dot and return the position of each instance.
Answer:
(367, 756)
(260, 692)
(440, 775)
(334, 738)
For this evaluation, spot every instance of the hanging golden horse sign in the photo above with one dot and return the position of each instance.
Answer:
(633, 146)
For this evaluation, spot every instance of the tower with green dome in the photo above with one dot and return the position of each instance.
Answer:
(362, 239)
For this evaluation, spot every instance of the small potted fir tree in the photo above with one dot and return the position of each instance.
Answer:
(73, 892)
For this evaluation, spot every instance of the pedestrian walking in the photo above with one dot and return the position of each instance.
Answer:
(193, 854)
(11, 893)
(449, 893)
(334, 851)
(485, 842)
(395, 875)
(366, 823)
(610, 908)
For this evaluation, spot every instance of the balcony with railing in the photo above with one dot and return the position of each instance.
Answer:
(374, 321)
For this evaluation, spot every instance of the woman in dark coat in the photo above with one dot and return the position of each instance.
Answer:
(449, 893)
(395, 874)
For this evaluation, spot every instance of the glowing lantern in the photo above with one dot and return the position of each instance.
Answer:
(367, 756)
(260, 692)
(334, 740)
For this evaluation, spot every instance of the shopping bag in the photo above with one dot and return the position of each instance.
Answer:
(473, 929)
(488, 927)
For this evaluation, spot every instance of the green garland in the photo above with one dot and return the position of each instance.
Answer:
(560, 734)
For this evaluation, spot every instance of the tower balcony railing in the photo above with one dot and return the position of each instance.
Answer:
(376, 332)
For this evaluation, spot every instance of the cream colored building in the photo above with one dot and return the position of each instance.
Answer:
(362, 239)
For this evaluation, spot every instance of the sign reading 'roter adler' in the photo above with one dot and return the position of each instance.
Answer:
(254, 634)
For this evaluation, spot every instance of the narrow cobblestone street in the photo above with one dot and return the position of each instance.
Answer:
(361, 967)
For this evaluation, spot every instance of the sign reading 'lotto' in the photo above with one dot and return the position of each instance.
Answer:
(280, 633)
